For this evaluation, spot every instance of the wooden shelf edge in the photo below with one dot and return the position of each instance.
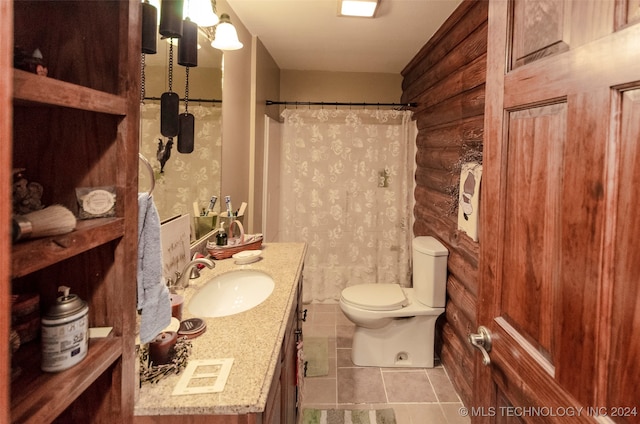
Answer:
(32, 255)
(46, 396)
(30, 87)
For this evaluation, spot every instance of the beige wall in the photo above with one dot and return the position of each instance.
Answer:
(354, 87)
(236, 115)
(266, 87)
(204, 83)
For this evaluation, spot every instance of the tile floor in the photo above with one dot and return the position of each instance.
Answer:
(417, 395)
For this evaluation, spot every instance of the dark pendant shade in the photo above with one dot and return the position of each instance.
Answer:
(188, 45)
(186, 133)
(171, 18)
(169, 122)
(149, 33)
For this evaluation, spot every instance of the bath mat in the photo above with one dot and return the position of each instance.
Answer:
(316, 356)
(344, 416)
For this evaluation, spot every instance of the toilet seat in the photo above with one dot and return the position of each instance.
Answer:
(375, 297)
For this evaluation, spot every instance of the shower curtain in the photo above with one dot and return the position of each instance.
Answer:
(187, 177)
(346, 190)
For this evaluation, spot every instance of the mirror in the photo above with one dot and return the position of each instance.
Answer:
(192, 177)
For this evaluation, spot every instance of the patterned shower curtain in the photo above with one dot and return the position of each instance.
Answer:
(187, 177)
(346, 187)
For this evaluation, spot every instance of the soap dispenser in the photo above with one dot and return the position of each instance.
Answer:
(221, 237)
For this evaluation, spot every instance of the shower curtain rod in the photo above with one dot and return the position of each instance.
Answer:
(190, 99)
(273, 102)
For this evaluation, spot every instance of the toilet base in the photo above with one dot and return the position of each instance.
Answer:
(404, 342)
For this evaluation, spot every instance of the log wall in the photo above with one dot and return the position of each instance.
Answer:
(447, 81)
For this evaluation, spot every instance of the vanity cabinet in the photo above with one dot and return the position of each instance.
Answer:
(76, 127)
(283, 398)
(281, 403)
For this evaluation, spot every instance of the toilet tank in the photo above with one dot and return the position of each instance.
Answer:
(430, 271)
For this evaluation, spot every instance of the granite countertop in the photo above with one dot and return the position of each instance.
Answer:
(252, 338)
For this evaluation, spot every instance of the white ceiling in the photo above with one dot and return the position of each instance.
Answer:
(309, 34)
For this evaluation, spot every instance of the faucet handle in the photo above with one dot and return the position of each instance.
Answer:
(170, 283)
(195, 273)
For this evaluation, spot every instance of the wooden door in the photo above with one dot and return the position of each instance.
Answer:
(559, 259)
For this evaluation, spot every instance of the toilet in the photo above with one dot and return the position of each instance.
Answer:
(395, 326)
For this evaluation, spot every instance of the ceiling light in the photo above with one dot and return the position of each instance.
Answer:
(226, 37)
(361, 8)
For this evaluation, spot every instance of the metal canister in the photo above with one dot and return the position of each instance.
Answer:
(65, 332)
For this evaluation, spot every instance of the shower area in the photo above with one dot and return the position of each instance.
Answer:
(185, 178)
(346, 189)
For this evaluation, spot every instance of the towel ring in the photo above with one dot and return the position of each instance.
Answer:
(150, 169)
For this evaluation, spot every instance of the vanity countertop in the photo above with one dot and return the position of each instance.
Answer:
(252, 338)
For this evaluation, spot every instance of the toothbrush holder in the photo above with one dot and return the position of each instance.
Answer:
(204, 225)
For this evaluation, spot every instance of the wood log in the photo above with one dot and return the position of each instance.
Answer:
(466, 104)
(458, 363)
(464, 20)
(462, 298)
(468, 131)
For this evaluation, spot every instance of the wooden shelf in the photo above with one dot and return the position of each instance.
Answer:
(28, 87)
(39, 397)
(76, 127)
(32, 255)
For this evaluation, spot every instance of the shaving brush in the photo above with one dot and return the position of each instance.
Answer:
(50, 221)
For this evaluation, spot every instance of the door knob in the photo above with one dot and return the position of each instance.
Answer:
(482, 341)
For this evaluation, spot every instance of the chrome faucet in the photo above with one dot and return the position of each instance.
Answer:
(189, 272)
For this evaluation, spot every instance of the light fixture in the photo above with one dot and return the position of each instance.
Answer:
(201, 12)
(219, 31)
(226, 37)
(360, 8)
(149, 28)
(188, 46)
(171, 18)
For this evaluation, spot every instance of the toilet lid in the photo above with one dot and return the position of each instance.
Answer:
(375, 297)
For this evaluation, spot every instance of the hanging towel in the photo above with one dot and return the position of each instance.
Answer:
(153, 295)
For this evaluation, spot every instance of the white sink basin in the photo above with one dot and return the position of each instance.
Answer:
(231, 293)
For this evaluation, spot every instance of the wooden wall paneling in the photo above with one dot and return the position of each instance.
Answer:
(463, 297)
(436, 179)
(439, 158)
(446, 78)
(458, 362)
(459, 323)
(435, 210)
(462, 105)
(463, 21)
(456, 71)
(465, 77)
(467, 131)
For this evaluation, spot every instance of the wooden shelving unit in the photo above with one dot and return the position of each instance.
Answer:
(76, 127)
